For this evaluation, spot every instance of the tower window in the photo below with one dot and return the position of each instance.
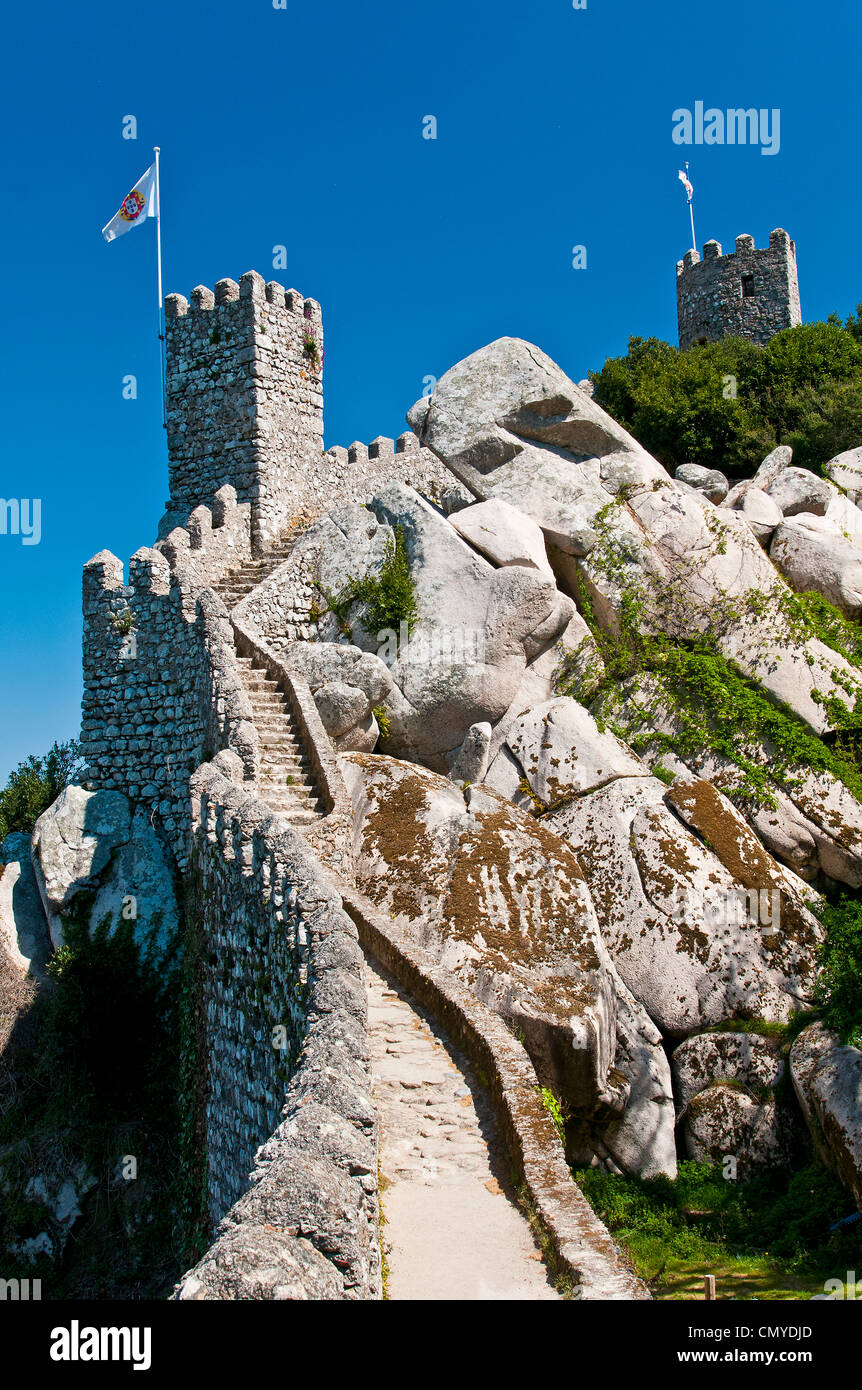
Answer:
(747, 286)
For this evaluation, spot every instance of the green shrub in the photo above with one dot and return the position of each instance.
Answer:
(714, 705)
(383, 722)
(390, 595)
(556, 1109)
(839, 992)
(726, 404)
(35, 785)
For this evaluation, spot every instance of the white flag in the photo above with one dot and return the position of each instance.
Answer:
(688, 188)
(136, 207)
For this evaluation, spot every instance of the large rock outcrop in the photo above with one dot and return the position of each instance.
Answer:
(700, 921)
(23, 924)
(478, 627)
(501, 902)
(732, 1104)
(827, 1078)
(98, 858)
(513, 427)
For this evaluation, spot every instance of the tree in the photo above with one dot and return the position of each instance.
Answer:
(35, 785)
(727, 404)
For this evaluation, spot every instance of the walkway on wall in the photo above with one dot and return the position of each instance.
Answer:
(452, 1229)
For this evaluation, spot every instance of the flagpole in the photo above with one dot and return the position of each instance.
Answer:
(691, 214)
(161, 322)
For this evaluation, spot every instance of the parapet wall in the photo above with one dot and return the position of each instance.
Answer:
(290, 1125)
(143, 727)
(749, 293)
(162, 689)
(214, 537)
(354, 474)
(244, 395)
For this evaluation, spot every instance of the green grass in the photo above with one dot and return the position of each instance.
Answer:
(767, 1238)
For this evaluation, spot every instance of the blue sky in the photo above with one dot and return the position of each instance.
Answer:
(303, 126)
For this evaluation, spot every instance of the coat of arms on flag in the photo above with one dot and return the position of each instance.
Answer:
(136, 207)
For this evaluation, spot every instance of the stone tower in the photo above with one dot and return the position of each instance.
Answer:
(748, 293)
(244, 396)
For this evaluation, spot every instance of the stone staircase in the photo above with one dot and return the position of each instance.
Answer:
(286, 780)
(238, 583)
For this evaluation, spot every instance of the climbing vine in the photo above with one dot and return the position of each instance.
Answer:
(663, 665)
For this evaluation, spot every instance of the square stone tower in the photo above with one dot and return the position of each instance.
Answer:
(747, 294)
(244, 397)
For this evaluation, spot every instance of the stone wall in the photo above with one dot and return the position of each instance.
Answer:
(354, 474)
(244, 394)
(712, 301)
(162, 689)
(214, 538)
(290, 1128)
(144, 720)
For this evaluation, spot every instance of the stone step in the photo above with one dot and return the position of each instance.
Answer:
(262, 687)
(287, 798)
(295, 817)
(296, 791)
(284, 768)
(294, 805)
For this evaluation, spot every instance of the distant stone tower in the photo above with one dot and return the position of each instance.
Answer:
(244, 396)
(748, 293)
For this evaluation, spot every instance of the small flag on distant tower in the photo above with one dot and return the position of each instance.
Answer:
(686, 181)
(135, 208)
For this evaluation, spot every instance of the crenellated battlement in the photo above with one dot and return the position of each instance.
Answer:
(250, 287)
(748, 293)
(215, 537)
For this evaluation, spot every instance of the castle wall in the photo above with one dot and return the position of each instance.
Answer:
(285, 1010)
(161, 685)
(281, 608)
(244, 396)
(711, 303)
(215, 538)
(143, 725)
